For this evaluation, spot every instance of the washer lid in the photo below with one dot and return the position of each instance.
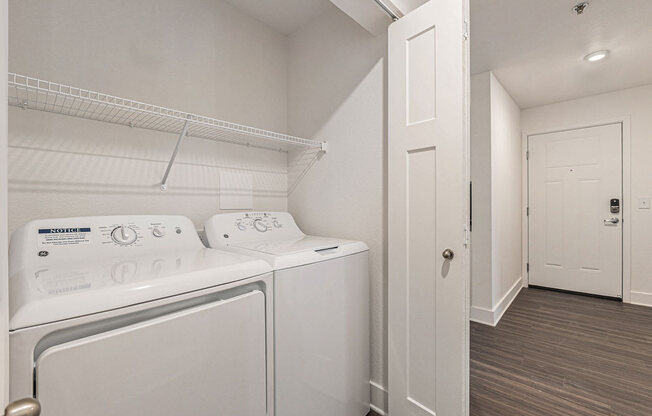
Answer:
(282, 254)
(293, 246)
(47, 294)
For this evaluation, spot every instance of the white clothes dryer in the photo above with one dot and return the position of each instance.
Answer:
(133, 316)
(321, 311)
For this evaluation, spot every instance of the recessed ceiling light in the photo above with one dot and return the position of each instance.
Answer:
(596, 56)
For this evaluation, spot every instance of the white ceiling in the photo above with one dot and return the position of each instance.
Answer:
(536, 47)
(284, 16)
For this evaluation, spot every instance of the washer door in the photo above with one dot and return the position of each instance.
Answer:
(207, 360)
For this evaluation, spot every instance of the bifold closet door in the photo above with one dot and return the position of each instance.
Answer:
(428, 265)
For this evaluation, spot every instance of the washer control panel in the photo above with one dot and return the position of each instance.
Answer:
(261, 222)
(225, 229)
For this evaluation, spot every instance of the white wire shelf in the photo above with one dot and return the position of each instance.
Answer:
(36, 94)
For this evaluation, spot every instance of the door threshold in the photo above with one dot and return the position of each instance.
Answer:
(571, 292)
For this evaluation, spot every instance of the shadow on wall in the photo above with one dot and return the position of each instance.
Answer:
(299, 165)
(61, 167)
(91, 187)
(337, 76)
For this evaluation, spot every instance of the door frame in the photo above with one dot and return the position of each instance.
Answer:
(625, 122)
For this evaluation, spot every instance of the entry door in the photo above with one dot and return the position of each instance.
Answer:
(575, 238)
(428, 267)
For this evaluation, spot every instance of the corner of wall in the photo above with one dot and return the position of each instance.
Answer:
(492, 316)
(496, 173)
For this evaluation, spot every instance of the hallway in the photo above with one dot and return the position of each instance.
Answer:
(556, 354)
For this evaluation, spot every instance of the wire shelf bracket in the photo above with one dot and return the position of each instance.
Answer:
(164, 181)
(36, 94)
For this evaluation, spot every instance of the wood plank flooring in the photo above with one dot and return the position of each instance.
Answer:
(556, 354)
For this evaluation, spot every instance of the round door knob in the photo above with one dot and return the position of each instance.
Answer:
(24, 407)
(448, 254)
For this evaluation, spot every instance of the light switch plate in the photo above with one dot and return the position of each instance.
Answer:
(644, 202)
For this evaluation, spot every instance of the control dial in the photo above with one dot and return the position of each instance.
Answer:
(260, 225)
(124, 235)
(158, 232)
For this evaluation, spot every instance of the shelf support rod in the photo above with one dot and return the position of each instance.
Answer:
(164, 184)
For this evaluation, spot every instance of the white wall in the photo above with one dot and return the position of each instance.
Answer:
(505, 191)
(336, 92)
(201, 56)
(635, 104)
(4, 281)
(481, 268)
(496, 174)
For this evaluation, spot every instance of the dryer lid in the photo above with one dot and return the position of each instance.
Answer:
(48, 294)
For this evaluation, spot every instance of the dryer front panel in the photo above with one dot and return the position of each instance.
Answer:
(204, 361)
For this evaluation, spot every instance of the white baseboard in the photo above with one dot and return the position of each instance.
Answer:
(641, 298)
(492, 317)
(506, 301)
(378, 398)
(482, 315)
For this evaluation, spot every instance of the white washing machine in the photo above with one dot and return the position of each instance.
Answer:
(321, 311)
(132, 315)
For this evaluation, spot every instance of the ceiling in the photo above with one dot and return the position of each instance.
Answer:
(284, 16)
(536, 47)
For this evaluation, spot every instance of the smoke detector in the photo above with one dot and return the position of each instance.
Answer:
(579, 8)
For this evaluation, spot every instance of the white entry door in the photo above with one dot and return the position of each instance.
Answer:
(576, 237)
(428, 267)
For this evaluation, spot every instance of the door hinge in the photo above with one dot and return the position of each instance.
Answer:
(466, 29)
(527, 211)
(527, 267)
(527, 155)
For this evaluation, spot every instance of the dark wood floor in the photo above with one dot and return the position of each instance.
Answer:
(555, 354)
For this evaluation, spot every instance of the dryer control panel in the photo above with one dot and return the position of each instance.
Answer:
(58, 240)
(225, 229)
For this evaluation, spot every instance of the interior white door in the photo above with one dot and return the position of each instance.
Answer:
(575, 239)
(428, 325)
